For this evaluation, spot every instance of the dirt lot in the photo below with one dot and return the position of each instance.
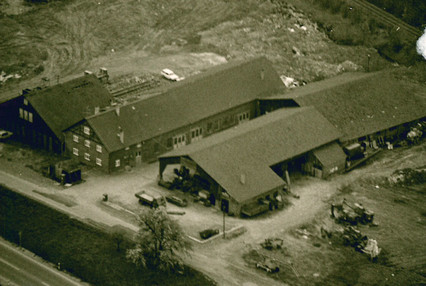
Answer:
(60, 40)
(307, 258)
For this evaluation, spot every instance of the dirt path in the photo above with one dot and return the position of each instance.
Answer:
(220, 259)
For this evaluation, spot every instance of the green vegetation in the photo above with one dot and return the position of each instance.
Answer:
(81, 249)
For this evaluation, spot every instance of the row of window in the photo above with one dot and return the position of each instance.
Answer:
(98, 160)
(87, 156)
(87, 143)
(244, 116)
(26, 115)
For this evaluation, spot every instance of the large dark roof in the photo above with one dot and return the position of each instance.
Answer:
(198, 97)
(65, 104)
(362, 104)
(251, 148)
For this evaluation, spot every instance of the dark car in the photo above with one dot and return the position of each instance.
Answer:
(268, 265)
(208, 233)
(177, 201)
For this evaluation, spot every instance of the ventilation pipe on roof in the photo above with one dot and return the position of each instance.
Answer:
(262, 74)
(243, 179)
(87, 72)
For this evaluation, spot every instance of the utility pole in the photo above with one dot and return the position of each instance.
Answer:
(223, 211)
(368, 62)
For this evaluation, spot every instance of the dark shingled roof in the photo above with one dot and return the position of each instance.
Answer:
(250, 148)
(362, 104)
(63, 105)
(203, 95)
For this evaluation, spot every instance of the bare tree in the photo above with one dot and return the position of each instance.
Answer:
(160, 242)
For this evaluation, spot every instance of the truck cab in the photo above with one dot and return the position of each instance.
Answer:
(151, 198)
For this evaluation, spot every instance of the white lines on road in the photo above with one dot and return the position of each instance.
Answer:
(11, 265)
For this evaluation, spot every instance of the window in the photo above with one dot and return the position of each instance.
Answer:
(99, 148)
(30, 117)
(75, 138)
(86, 130)
(169, 142)
(75, 151)
(87, 143)
(117, 163)
(196, 134)
(25, 101)
(244, 116)
(178, 141)
(21, 113)
(99, 161)
(87, 156)
(25, 115)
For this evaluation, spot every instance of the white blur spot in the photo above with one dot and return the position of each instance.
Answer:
(421, 45)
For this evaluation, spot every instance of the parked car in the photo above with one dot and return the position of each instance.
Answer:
(177, 201)
(170, 75)
(268, 265)
(208, 233)
(150, 198)
(5, 134)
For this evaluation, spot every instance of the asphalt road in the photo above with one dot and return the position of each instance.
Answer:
(17, 268)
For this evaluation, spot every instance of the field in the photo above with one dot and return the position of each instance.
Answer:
(60, 40)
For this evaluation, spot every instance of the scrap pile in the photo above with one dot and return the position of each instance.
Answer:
(350, 215)
(408, 176)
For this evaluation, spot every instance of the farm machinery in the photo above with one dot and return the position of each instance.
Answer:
(352, 214)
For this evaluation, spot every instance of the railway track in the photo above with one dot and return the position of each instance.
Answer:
(409, 32)
(134, 89)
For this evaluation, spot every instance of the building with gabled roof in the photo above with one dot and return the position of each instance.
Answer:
(364, 106)
(39, 116)
(246, 163)
(184, 112)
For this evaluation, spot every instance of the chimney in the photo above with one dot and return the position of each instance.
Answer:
(117, 110)
(243, 179)
(262, 74)
(97, 109)
(120, 134)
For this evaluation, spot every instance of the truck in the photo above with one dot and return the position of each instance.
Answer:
(151, 198)
(255, 208)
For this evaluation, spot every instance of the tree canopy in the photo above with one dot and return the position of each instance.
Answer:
(160, 242)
